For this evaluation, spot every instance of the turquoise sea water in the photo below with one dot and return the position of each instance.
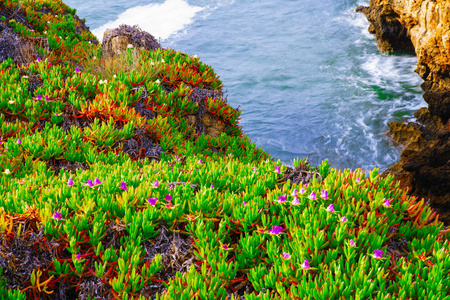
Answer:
(306, 74)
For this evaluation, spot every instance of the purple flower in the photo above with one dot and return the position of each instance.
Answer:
(294, 193)
(330, 208)
(378, 254)
(70, 182)
(77, 70)
(244, 203)
(358, 180)
(19, 141)
(89, 183)
(200, 161)
(352, 243)
(97, 181)
(312, 196)
(57, 215)
(302, 191)
(286, 255)
(277, 169)
(344, 219)
(155, 184)
(39, 97)
(275, 230)
(282, 199)
(168, 198)
(386, 203)
(152, 201)
(78, 256)
(324, 194)
(38, 60)
(295, 201)
(231, 154)
(123, 185)
(225, 247)
(169, 205)
(212, 186)
(47, 98)
(254, 169)
(305, 265)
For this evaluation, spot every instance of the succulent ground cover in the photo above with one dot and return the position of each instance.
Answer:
(129, 177)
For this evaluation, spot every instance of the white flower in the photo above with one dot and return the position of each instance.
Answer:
(7, 171)
(163, 61)
(89, 42)
(11, 102)
(48, 22)
(114, 75)
(157, 81)
(45, 32)
(24, 76)
(152, 63)
(195, 56)
(130, 46)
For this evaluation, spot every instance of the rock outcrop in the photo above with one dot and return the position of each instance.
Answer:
(425, 161)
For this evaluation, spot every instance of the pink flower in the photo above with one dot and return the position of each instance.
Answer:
(200, 161)
(225, 247)
(70, 182)
(254, 169)
(358, 180)
(352, 243)
(123, 185)
(89, 183)
(155, 184)
(378, 254)
(344, 219)
(212, 186)
(170, 205)
(19, 141)
(324, 194)
(282, 199)
(77, 70)
(168, 198)
(78, 256)
(244, 203)
(47, 98)
(302, 191)
(312, 196)
(278, 169)
(294, 193)
(57, 215)
(152, 201)
(39, 97)
(97, 181)
(286, 255)
(275, 230)
(305, 265)
(330, 208)
(386, 203)
(295, 201)
(38, 60)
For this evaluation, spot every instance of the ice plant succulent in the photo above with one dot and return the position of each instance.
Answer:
(305, 265)
(276, 230)
(277, 169)
(155, 184)
(330, 208)
(324, 194)
(57, 215)
(378, 254)
(312, 196)
(97, 181)
(295, 201)
(282, 199)
(286, 255)
(344, 219)
(351, 242)
(168, 198)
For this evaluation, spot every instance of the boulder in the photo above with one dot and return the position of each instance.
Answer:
(116, 41)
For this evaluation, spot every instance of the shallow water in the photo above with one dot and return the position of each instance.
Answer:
(306, 74)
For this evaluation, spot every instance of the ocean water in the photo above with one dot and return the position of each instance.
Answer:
(306, 74)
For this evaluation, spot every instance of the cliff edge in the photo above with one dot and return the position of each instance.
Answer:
(424, 24)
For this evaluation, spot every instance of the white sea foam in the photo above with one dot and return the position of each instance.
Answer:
(161, 20)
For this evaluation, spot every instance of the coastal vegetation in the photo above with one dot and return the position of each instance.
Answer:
(114, 186)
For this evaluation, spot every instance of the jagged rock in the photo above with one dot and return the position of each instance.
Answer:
(390, 34)
(408, 136)
(14, 46)
(213, 127)
(116, 41)
(425, 169)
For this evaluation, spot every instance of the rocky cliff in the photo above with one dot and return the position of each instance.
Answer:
(424, 24)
